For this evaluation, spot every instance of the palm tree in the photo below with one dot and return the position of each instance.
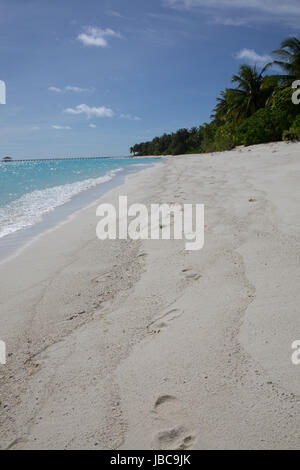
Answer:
(289, 60)
(252, 91)
(223, 110)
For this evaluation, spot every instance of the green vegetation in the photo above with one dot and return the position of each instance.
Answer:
(294, 132)
(258, 109)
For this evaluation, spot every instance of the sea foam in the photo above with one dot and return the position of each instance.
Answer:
(31, 207)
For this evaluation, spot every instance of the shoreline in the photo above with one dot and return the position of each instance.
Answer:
(13, 244)
(125, 345)
(44, 264)
(24, 160)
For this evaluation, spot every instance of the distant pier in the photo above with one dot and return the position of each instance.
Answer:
(58, 159)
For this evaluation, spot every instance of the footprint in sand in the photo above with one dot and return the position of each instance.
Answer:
(101, 277)
(162, 399)
(15, 443)
(179, 195)
(190, 275)
(175, 437)
(163, 321)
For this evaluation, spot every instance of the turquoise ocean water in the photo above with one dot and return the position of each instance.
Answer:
(31, 190)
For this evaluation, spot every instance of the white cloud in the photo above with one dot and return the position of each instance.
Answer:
(92, 126)
(97, 36)
(61, 128)
(75, 89)
(115, 14)
(35, 128)
(286, 9)
(55, 89)
(229, 21)
(130, 117)
(101, 111)
(249, 55)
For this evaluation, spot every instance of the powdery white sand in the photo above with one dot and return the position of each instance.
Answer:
(142, 345)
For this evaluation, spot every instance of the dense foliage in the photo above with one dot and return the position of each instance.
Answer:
(256, 110)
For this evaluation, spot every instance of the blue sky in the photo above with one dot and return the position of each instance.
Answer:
(94, 77)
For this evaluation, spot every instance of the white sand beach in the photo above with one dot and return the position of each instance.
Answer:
(143, 345)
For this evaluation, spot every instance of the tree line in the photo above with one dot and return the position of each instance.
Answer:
(257, 109)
